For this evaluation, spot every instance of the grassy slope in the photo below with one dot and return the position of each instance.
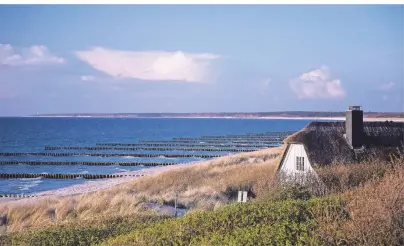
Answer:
(364, 206)
(204, 186)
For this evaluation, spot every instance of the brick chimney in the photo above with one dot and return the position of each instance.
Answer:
(354, 126)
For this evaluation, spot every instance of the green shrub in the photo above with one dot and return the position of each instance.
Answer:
(266, 223)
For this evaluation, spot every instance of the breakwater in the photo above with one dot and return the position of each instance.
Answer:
(222, 145)
(88, 163)
(148, 149)
(65, 176)
(111, 154)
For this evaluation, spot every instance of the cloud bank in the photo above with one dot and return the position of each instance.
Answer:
(34, 55)
(151, 65)
(317, 84)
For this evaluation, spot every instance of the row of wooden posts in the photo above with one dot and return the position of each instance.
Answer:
(65, 176)
(189, 145)
(262, 138)
(257, 135)
(112, 154)
(211, 141)
(146, 149)
(17, 195)
(88, 163)
(254, 134)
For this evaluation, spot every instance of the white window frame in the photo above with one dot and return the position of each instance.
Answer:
(300, 163)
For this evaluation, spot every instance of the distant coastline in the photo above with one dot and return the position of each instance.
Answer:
(251, 118)
(292, 115)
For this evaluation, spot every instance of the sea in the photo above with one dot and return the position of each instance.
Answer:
(32, 134)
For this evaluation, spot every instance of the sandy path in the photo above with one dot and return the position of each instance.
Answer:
(91, 186)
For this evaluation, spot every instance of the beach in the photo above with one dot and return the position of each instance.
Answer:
(91, 186)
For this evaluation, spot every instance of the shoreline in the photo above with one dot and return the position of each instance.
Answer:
(91, 186)
(342, 118)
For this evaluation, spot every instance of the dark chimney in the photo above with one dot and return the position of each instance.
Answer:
(354, 126)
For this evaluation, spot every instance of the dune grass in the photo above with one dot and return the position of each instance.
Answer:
(374, 192)
(363, 205)
(207, 185)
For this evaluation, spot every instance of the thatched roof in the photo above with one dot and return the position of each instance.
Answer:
(325, 142)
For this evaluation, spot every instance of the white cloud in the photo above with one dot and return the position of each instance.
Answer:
(150, 65)
(317, 84)
(387, 86)
(34, 55)
(87, 78)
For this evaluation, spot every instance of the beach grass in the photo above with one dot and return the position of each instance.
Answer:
(206, 186)
(363, 205)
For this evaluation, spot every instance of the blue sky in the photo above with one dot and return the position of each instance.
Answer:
(59, 59)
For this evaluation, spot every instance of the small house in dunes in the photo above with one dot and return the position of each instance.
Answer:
(326, 143)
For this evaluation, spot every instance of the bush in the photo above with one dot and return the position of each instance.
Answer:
(265, 223)
(291, 191)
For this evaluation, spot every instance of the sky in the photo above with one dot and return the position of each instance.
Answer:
(206, 58)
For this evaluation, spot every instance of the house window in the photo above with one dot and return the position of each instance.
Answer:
(299, 163)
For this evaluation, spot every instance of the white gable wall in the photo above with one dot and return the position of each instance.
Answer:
(288, 166)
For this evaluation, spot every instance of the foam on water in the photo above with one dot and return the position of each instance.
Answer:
(29, 185)
(168, 158)
(122, 170)
(29, 179)
(128, 157)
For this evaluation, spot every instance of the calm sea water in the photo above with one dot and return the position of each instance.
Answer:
(33, 134)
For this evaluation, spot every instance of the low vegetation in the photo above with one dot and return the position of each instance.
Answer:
(205, 186)
(261, 223)
(86, 233)
(363, 204)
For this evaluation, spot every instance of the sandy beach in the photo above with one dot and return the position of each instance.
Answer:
(91, 186)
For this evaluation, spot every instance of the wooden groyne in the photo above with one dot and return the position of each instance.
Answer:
(231, 138)
(17, 195)
(147, 148)
(113, 154)
(286, 133)
(227, 139)
(65, 176)
(88, 163)
(190, 145)
(209, 141)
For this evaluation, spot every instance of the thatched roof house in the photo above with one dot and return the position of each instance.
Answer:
(325, 143)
